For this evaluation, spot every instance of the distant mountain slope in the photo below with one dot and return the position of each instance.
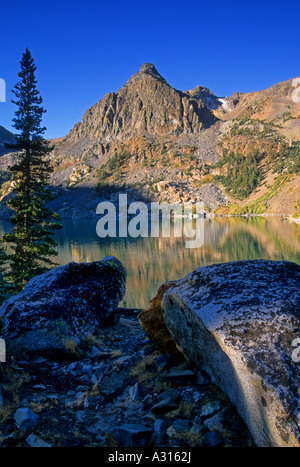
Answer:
(279, 104)
(203, 94)
(5, 137)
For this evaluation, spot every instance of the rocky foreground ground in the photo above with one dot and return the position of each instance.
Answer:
(81, 371)
(115, 389)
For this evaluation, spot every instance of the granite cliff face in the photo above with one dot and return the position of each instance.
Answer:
(145, 106)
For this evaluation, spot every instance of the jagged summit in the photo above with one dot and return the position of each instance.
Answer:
(146, 69)
(145, 106)
(204, 95)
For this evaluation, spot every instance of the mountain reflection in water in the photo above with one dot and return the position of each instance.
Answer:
(152, 261)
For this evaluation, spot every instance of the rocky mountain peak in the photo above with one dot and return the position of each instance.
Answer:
(203, 94)
(145, 106)
(147, 69)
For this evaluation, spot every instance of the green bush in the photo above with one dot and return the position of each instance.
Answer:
(296, 211)
(258, 208)
(243, 174)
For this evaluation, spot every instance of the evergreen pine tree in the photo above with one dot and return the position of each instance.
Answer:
(31, 238)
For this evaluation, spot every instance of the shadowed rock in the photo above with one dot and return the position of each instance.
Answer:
(151, 320)
(132, 435)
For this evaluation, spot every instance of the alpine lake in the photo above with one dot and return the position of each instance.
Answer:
(150, 261)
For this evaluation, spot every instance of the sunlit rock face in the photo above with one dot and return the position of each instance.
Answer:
(61, 306)
(239, 322)
(145, 105)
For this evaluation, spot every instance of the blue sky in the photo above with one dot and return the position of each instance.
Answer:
(85, 49)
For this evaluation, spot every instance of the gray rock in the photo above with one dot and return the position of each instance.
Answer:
(112, 381)
(166, 401)
(212, 439)
(125, 360)
(95, 351)
(63, 305)
(166, 405)
(41, 387)
(216, 423)
(72, 366)
(181, 425)
(237, 321)
(196, 429)
(200, 379)
(171, 432)
(211, 195)
(161, 362)
(25, 418)
(35, 442)
(80, 396)
(130, 435)
(86, 368)
(179, 377)
(196, 396)
(147, 402)
(134, 392)
(172, 393)
(210, 408)
(94, 379)
(160, 432)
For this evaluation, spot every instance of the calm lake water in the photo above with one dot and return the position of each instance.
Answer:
(152, 261)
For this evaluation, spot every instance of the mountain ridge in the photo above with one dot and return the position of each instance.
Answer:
(160, 143)
(146, 105)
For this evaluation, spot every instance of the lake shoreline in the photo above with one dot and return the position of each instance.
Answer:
(152, 261)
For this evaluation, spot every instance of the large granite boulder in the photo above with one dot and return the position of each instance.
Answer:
(239, 321)
(62, 306)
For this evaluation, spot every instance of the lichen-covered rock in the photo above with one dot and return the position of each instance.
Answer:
(62, 306)
(238, 322)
